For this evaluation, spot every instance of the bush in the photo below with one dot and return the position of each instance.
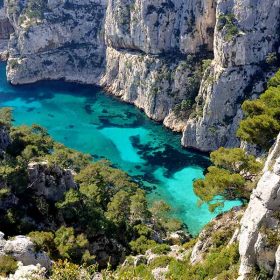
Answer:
(130, 273)
(7, 265)
(161, 249)
(262, 116)
(162, 261)
(69, 245)
(142, 244)
(64, 270)
(218, 262)
(43, 241)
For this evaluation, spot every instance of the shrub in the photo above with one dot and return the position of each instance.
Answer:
(162, 261)
(43, 241)
(69, 245)
(228, 24)
(161, 249)
(64, 270)
(7, 265)
(215, 263)
(142, 272)
(142, 244)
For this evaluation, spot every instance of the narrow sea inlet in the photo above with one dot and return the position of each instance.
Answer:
(87, 119)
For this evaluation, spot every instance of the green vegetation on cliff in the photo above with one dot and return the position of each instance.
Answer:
(231, 177)
(103, 206)
(234, 172)
(262, 116)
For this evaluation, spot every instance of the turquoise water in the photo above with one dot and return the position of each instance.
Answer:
(87, 119)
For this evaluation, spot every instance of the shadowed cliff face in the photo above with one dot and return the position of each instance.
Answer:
(155, 51)
(161, 26)
(5, 29)
(152, 54)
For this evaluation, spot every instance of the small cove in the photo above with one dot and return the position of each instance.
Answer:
(86, 119)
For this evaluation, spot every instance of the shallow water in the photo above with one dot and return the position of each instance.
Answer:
(87, 119)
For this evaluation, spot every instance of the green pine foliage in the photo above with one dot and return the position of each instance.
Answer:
(262, 116)
(230, 178)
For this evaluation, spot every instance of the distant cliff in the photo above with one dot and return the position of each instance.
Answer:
(189, 64)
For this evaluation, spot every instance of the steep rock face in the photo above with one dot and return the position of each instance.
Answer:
(246, 34)
(148, 43)
(161, 26)
(5, 26)
(152, 83)
(150, 53)
(65, 42)
(6, 29)
(260, 235)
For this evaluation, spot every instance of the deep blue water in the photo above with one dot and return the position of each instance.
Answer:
(87, 119)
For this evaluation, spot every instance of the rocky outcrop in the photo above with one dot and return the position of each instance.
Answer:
(64, 41)
(162, 26)
(246, 35)
(223, 230)
(27, 272)
(50, 181)
(260, 235)
(23, 250)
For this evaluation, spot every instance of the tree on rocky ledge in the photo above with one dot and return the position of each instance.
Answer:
(230, 178)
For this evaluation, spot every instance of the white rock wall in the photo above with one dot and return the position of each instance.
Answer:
(260, 225)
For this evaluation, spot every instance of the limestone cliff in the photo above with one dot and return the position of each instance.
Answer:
(259, 238)
(61, 40)
(147, 55)
(151, 54)
(6, 30)
(246, 36)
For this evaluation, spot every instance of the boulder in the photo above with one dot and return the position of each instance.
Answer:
(22, 249)
(28, 272)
